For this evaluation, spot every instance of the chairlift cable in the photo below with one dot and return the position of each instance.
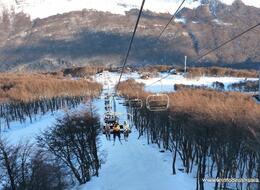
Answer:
(213, 50)
(159, 36)
(173, 16)
(226, 42)
(131, 43)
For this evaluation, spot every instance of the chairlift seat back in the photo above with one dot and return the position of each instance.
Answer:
(158, 102)
(136, 103)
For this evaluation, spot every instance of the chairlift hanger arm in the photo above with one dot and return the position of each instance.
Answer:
(158, 102)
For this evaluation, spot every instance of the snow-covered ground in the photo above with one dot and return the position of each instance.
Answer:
(46, 8)
(132, 165)
(167, 84)
(27, 131)
(136, 165)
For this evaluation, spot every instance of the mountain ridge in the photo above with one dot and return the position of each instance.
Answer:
(92, 37)
(45, 8)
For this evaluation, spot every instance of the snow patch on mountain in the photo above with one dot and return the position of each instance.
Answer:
(180, 20)
(254, 3)
(46, 8)
(220, 22)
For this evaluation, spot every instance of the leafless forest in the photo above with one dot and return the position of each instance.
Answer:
(26, 95)
(216, 134)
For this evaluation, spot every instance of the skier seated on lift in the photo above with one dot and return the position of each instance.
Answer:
(126, 130)
(107, 131)
(116, 132)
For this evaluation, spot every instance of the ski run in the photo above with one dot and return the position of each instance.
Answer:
(132, 165)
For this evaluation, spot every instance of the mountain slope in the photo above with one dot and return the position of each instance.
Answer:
(93, 37)
(46, 8)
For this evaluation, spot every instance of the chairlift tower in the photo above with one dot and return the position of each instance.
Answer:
(185, 64)
(259, 86)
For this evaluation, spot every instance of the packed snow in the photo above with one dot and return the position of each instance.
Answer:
(46, 8)
(134, 164)
(22, 132)
(167, 84)
(28, 131)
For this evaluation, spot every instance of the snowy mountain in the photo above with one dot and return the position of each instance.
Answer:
(46, 8)
(96, 37)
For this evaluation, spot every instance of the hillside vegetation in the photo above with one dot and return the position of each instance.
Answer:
(214, 134)
(222, 72)
(28, 87)
(206, 106)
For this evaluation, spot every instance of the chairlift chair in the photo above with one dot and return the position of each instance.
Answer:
(108, 107)
(107, 100)
(125, 103)
(110, 118)
(136, 103)
(157, 102)
(114, 117)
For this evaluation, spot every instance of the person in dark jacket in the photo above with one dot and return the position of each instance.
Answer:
(107, 131)
(126, 131)
(116, 132)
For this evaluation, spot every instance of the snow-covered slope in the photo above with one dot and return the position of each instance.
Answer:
(45, 8)
(134, 165)
(255, 3)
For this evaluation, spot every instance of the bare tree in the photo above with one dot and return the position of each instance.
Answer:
(8, 163)
(24, 167)
(47, 173)
(74, 140)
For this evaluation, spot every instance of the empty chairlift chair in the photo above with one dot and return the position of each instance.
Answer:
(136, 103)
(108, 107)
(107, 100)
(157, 102)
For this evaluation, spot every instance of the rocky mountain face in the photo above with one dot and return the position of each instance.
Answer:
(101, 38)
